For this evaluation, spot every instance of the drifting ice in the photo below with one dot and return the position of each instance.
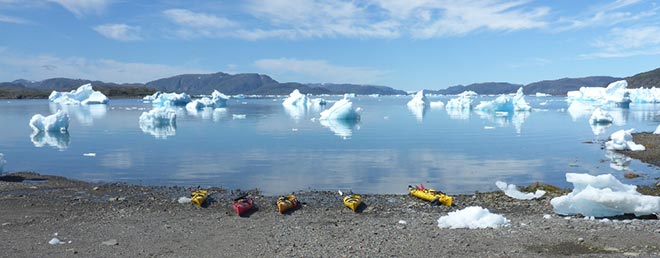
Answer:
(622, 140)
(603, 196)
(217, 100)
(2, 162)
(600, 117)
(505, 103)
(513, 192)
(296, 99)
(615, 94)
(159, 122)
(472, 217)
(58, 122)
(341, 110)
(170, 99)
(83, 95)
(419, 100)
(462, 102)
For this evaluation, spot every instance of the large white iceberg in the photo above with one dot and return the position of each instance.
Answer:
(512, 191)
(58, 122)
(82, 95)
(615, 94)
(472, 217)
(419, 100)
(622, 140)
(296, 99)
(600, 117)
(217, 100)
(505, 103)
(159, 122)
(462, 102)
(341, 110)
(603, 196)
(170, 99)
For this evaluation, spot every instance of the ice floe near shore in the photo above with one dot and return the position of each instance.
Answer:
(603, 196)
(472, 217)
(615, 95)
(159, 122)
(622, 140)
(512, 191)
(58, 122)
(82, 95)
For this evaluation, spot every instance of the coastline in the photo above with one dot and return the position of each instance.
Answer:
(120, 220)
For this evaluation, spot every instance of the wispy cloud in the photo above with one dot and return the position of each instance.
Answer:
(319, 71)
(11, 19)
(624, 42)
(82, 7)
(121, 32)
(609, 14)
(195, 24)
(39, 67)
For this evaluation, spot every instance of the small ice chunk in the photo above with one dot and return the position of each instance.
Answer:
(296, 99)
(462, 102)
(513, 192)
(2, 162)
(547, 216)
(171, 99)
(472, 217)
(238, 116)
(419, 100)
(341, 110)
(158, 117)
(91, 154)
(657, 130)
(217, 100)
(603, 196)
(55, 241)
(622, 140)
(600, 117)
(184, 199)
(437, 104)
(58, 122)
(489, 127)
(403, 222)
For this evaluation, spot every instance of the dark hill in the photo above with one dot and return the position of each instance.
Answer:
(486, 88)
(648, 79)
(562, 86)
(357, 89)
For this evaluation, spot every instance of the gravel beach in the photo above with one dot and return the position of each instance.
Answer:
(118, 220)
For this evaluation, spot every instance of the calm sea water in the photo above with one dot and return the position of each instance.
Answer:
(278, 150)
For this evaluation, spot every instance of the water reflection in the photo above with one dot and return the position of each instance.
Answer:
(419, 111)
(296, 112)
(599, 129)
(342, 128)
(55, 139)
(618, 161)
(503, 119)
(458, 114)
(161, 131)
(579, 110)
(84, 114)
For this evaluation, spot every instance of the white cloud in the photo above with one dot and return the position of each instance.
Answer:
(39, 67)
(121, 32)
(609, 14)
(624, 42)
(319, 71)
(82, 7)
(11, 19)
(194, 25)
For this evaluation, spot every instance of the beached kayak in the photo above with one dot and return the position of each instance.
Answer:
(285, 203)
(353, 201)
(198, 197)
(430, 195)
(242, 204)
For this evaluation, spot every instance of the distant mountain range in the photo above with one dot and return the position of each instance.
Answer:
(260, 84)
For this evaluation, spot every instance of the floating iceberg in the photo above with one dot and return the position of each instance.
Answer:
(159, 122)
(152, 97)
(55, 139)
(296, 99)
(217, 100)
(2, 162)
(600, 117)
(513, 192)
(472, 217)
(83, 95)
(622, 140)
(505, 103)
(603, 196)
(462, 102)
(58, 122)
(419, 100)
(437, 104)
(615, 94)
(170, 99)
(540, 94)
(657, 130)
(341, 110)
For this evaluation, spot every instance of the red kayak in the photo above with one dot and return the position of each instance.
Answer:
(242, 204)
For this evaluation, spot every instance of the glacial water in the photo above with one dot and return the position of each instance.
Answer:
(258, 143)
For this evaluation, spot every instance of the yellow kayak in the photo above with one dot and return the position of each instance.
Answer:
(353, 201)
(430, 195)
(285, 203)
(198, 197)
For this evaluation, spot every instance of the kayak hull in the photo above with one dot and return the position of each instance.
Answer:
(242, 205)
(431, 195)
(353, 201)
(198, 197)
(285, 203)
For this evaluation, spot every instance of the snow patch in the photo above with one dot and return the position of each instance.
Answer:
(472, 217)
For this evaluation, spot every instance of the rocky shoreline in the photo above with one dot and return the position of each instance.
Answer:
(119, 220)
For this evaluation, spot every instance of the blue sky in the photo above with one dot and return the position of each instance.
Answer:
(406, 44)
